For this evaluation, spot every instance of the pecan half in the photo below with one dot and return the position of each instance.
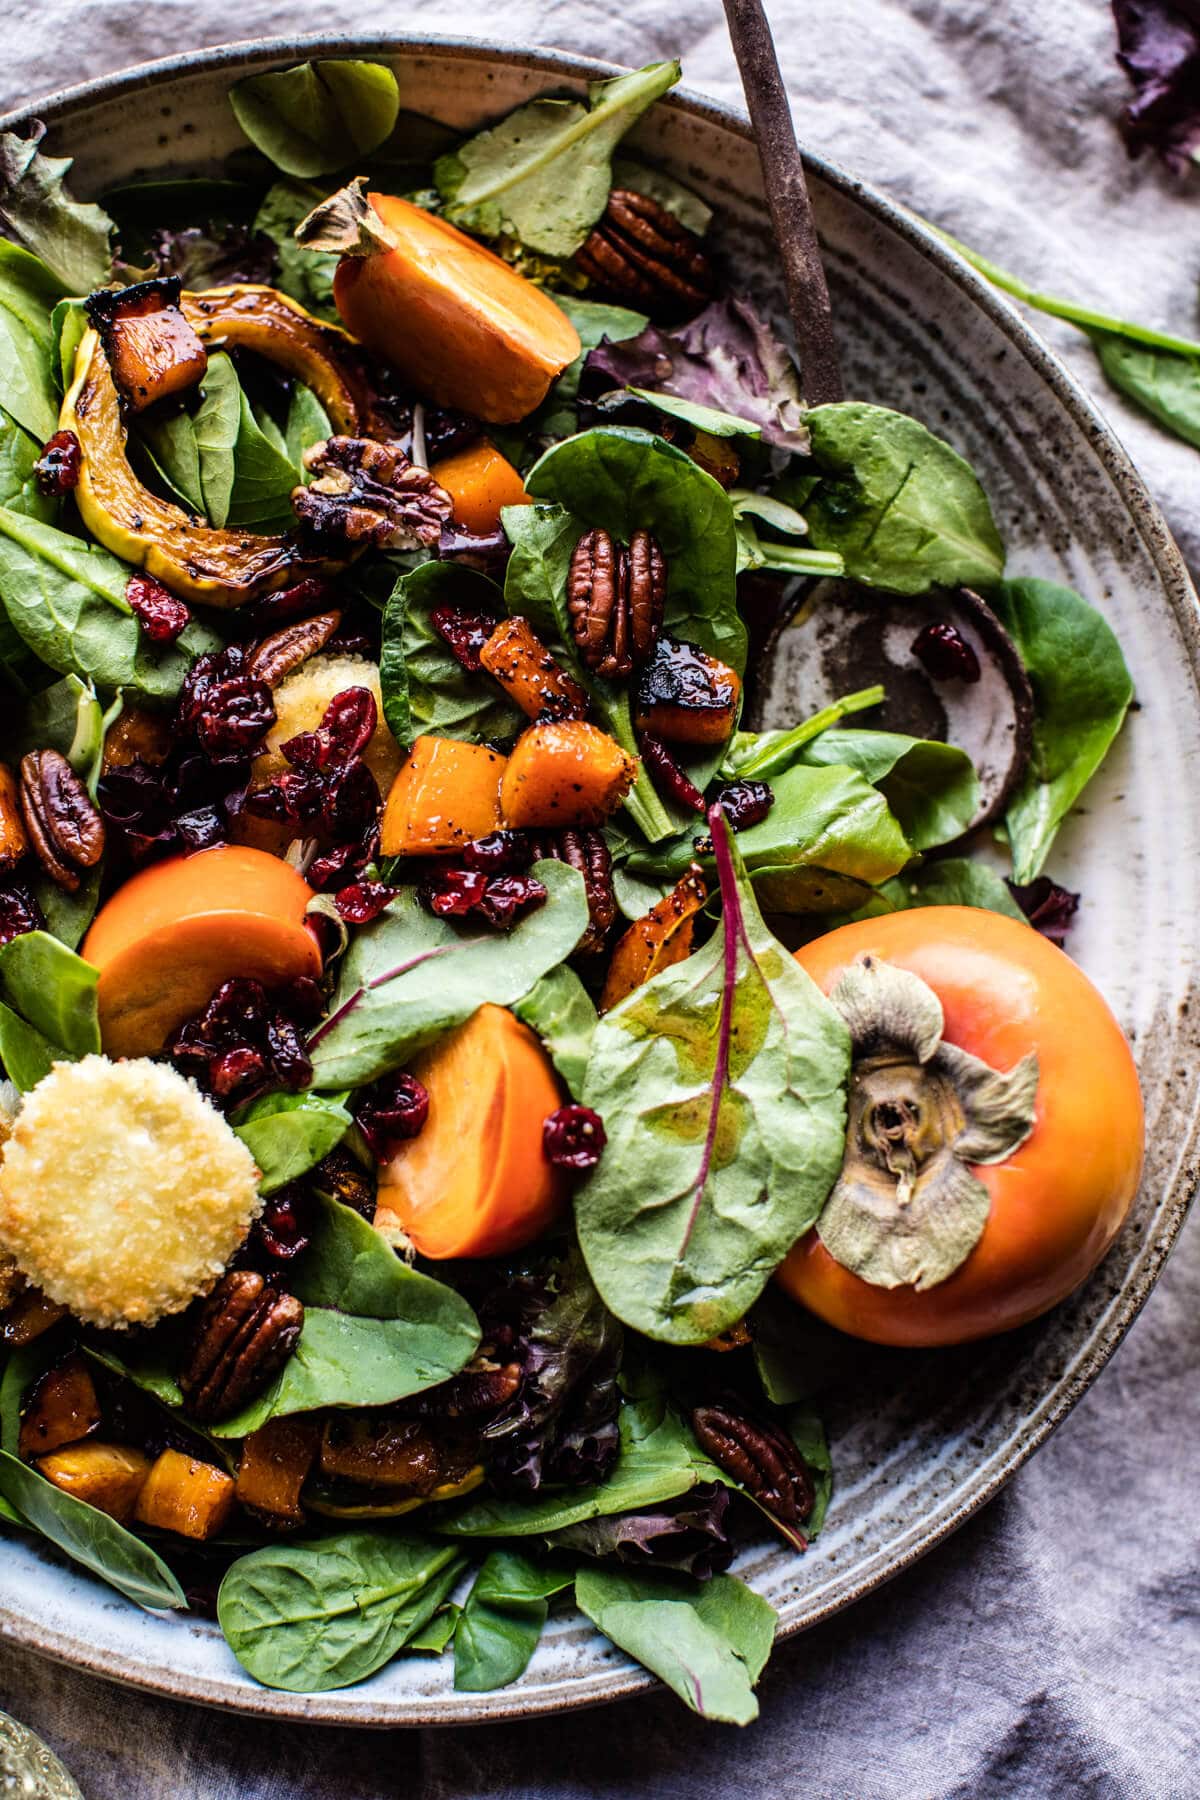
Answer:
(615, 598)
(484, 1386)
(64, 827)
(244, 1334)
(588, 852)
(287, 648)
(639, 252)
(368, 495)
(764, 1460)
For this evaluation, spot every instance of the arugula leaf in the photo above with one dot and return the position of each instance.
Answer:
(425, 687)
(54, 990)
(89, 1537)
(709, 1641)
(502, 1619)
(288, 1134)
(899, 505)
(410, 977)
(18, 487)
(1081, 692)
(931, 787)
(304, 275)
(562, 1012)
(317, 117)
(543, 174)
(36, 211)
(29, 292)
(67, 600)
(721, 1083)
(374, 1332)
(310, 1617)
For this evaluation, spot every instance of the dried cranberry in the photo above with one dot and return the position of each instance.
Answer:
(574, 1138)
(498, 852)
(161, 616)
(235, 1069)
(351, 800)
(312, 595)
(19, 912)
(303, 1000)
(235, 716)
(349, 723)
(674, 781)
(281, 1231)
(391, 1111)
(509, 897)
(350, 642)
(201, 829)
(289, 1058)
(330, 871)
(363, 901)
(745, 803)
(464, 634)
(246, 1039)
(453, 893)
(1048, 907)
(57, 469)
(944, 653)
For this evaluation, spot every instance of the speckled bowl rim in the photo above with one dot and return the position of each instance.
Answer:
(616, 1683)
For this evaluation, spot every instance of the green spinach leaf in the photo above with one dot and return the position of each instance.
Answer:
(90, 1537)
(304, 275)
(410, 977)
(318, 116)
(288, 1134)
(18, 487)
(1160, 382)
(931, 788)
(808, 1434)
(220, 460)
(502, 1619)
(1081, 692)
(307, 424)
(562, 1012)
(54, 990)
(901, 507)
(36, 211)
(29, 292)
(953, 881)
(543, 174)
(434, 1637)
(709, 1641)
(27, 1056)
(425, 687)
(68, 327)
(310, 1617)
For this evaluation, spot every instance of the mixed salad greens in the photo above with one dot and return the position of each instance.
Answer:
(420, 1407)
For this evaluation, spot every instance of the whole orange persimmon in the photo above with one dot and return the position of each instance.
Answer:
(1054, 1203)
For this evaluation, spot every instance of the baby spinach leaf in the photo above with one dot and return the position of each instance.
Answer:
(310, 1617)
(721, 1086)
(29, 292)
(374, 1332)
(954, 881)
(307, 424)
(27, 1056)
(808, 1434)
(288, 1134)
(318, 116)
(434, 1636)
(221, 461)
(263, 478)
(709, 1641)
(543, 174)
(67, 600)
(410, 977)
(1160, 382)
(1081, 692)
(562, 1012)
(702, 418)
(502, 1619)
(425, 687)
(931, 788)
(36, 211)
(18, 487)
(54, 990)
(68, 327)
(304, 275)
(900, 506)
(594, 321)
(624, 480)
(90, 1537)
(769, 753)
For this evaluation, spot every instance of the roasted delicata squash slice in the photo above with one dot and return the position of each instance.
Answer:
(196, 561)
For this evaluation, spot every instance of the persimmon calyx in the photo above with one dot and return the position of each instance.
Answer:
(907, 1210)
(346, 224)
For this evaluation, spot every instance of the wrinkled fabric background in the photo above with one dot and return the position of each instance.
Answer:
(1053, 1646)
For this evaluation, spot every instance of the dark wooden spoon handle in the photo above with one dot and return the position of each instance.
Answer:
(787, 198)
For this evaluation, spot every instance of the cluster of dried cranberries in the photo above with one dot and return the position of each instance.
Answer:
(247, 1040)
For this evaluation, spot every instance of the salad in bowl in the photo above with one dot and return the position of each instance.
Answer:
(446, 1045)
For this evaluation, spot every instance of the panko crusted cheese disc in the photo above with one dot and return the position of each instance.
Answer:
(123, 1193)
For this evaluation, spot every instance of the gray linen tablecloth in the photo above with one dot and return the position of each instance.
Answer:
(1053, 1646)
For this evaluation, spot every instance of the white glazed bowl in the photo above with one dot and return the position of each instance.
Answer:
(920, 1439)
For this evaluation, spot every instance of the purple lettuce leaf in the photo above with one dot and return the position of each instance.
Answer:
(1158, 46)
(727, 358)
(688, 1534)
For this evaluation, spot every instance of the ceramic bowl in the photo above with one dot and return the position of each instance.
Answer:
(920, 1440)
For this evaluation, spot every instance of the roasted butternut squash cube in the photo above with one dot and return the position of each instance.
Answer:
(565, 774)
(481, 484)
(13, 841)
(187, 1496)
(687, 696)
(275, 1463)
(27, 1315)
(107, 1476)
(137, 736)
(446, 794)
(516, 657)
(152, 350)
(62, 1409)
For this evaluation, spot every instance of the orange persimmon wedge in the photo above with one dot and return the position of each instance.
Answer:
(475, 1182)
(480, 482)
(464, 328)
(167, 940)
(447, 793)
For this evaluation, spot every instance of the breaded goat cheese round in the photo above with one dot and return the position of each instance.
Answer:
(123, 1193)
